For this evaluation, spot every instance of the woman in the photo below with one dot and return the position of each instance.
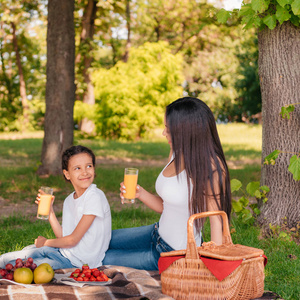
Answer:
(196, 179)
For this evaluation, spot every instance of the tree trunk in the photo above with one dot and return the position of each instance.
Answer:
(87, 33)
(128, 26)
(279, 71)
(60, 86)
(22, 83)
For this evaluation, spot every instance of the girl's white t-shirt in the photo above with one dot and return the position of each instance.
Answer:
(91, 248)
(173, 221)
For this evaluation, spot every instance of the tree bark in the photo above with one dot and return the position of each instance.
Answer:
(87, 33)
(60, 86)
(128, 26)
(279, 71)
(22, 83)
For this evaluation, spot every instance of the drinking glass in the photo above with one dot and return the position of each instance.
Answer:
(130, 182)
(44, 203)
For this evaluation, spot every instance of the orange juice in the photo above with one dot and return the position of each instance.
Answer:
(44, 203)
(130, 182)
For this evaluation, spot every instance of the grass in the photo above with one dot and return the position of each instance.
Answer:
(19, 160)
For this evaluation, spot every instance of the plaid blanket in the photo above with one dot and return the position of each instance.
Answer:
(126, 283)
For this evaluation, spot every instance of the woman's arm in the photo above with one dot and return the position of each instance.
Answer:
(152, 201)
(216, 225)
(71, 240)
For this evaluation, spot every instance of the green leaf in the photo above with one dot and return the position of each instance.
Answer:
(282, 14)
(265, 188)
(270, 159)
(283, 234)
(235, 185)
(286, 110)
(258, 194)
(252, 187)
(270, 21)
(294, 167)
(260, 5)
(246, 215)
(284, 2)
(236, 206)
(295, 20)
(246, 10)
(244, 201)
(296, 7)
(256, 211)
(223, 15)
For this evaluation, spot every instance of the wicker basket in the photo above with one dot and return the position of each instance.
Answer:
(189, 278)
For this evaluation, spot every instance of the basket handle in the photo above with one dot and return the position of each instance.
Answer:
(191, 250)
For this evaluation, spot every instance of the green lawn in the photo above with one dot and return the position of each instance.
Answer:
(242, 145)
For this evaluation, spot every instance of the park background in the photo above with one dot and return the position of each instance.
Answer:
(106, 84)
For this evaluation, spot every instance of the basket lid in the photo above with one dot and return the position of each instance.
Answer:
(229, 251)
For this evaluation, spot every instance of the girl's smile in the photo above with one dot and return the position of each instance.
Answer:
(81, 172)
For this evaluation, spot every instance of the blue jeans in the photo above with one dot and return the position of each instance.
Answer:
(137, 247)
(45, 254)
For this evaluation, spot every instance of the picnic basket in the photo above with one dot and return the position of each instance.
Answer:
(189, 278)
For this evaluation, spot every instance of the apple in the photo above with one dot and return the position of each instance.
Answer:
(23, 275)
(43, 273)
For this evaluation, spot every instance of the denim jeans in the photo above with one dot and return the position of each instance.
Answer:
(137, 247)
(45, 254)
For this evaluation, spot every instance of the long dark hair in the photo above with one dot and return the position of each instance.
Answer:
(195, 139)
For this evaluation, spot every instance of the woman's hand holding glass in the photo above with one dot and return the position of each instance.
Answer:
(123, 191)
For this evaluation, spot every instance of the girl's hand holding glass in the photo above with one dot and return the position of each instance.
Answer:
(44, 200)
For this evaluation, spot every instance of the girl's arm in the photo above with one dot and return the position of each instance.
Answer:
(56, 227)
(71, 240)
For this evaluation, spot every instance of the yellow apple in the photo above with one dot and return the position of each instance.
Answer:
(23, 275)
(43, 273)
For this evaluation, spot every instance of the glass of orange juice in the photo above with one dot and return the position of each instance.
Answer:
(44, 203)
(130, 182)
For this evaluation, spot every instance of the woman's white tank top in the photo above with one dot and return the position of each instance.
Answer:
(173, 220)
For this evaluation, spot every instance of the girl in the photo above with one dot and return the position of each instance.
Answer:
(196, 179)
(85, 232)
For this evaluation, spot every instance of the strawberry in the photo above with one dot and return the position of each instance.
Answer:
(85, 267)
(85, 279)
(96, 273)
(100, 278)
(92, 278)
(104, 277)
(79, 279)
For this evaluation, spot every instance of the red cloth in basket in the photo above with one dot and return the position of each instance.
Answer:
(219, 268)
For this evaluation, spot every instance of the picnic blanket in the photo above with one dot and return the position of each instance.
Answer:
(125, 283)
